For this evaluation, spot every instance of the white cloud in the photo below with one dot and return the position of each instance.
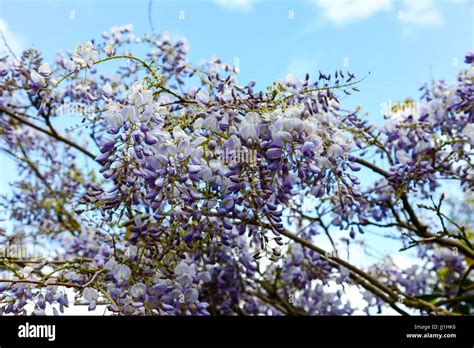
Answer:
(421, 13)
(404, 261)
(350, 293)
(347, 11)
(236, 5)
(300, 66)
(15, 41)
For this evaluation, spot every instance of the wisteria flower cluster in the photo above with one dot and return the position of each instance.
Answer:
(183, 192)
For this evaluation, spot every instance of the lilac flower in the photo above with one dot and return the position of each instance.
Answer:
(468, 130)
(37, 78)
(202, 97)
(274, 153)
(44, 70)
(109, 50)
(122, 273)
(138, 290)
(85, 55)
(469, 58)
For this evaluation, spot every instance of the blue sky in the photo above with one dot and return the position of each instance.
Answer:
(402, 43)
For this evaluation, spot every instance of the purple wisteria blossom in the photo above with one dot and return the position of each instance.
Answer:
(180, 191)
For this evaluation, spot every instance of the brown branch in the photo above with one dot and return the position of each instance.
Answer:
(391, 297)
(38, 282)
(420, 229)
(21, 119)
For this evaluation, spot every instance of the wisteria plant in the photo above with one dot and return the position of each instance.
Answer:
(183, 192)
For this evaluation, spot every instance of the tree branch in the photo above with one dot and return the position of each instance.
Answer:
(20, 119)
